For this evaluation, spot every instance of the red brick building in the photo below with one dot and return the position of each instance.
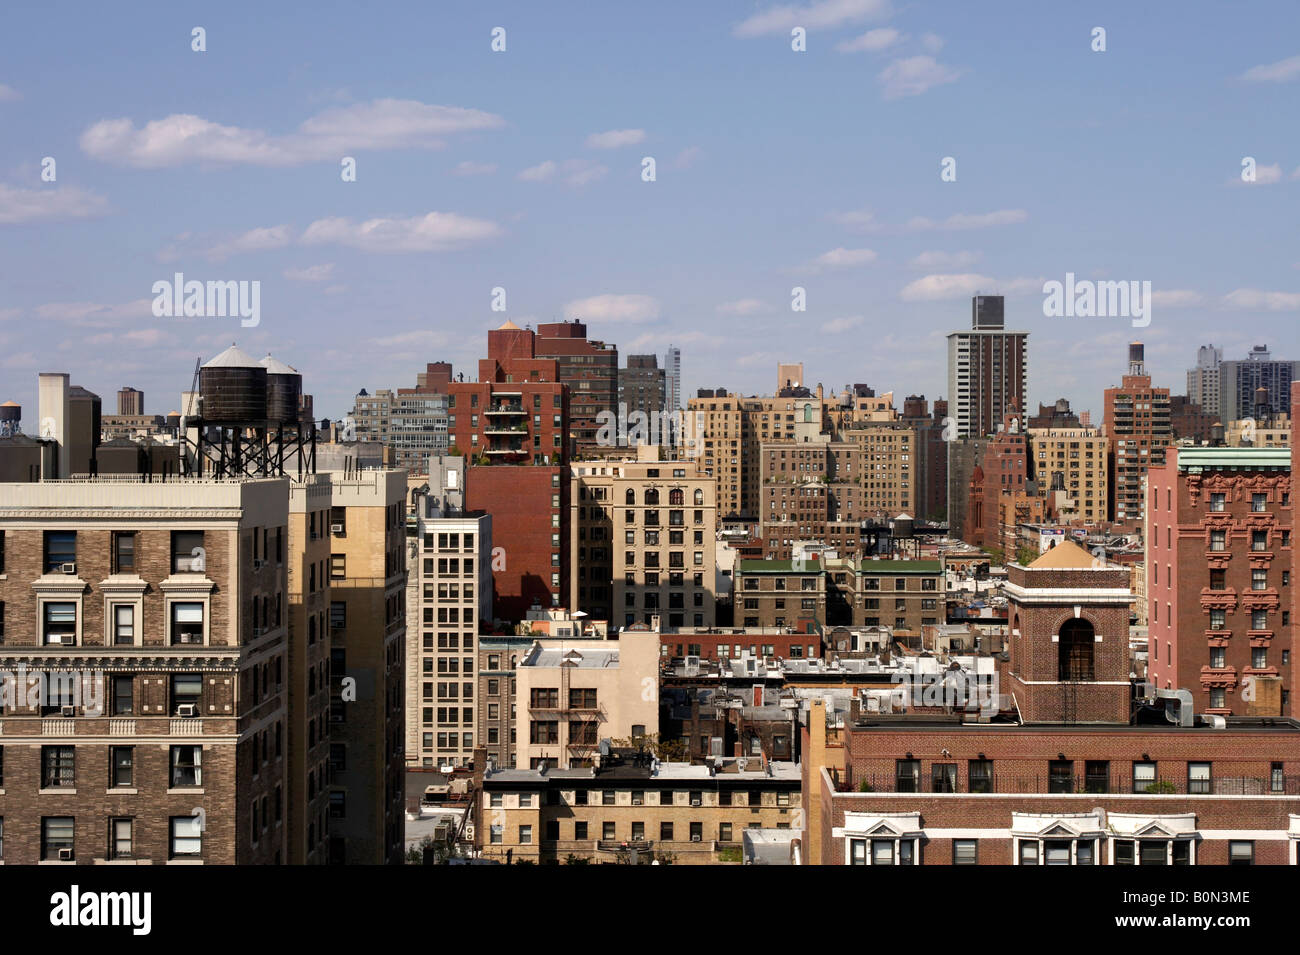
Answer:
(1001, 478)
(512, 424)
(1219, 557)
(589, 369)
(1079, 776)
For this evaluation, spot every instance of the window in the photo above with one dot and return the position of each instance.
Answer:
(607, 797)
(121, 767)
(60, 623)
(1218, 501)
(123, 552)
(57, 838)
(187, 623)
(908, 776)
(1218, 540)
(980, 775)
(338, 566)
(187, 552)
(119, 838)
(186, 766)
(1198, 778)
(1096, 776)
(123, 624)
(123, 695)
(1259, 580)
(58, 767)
(338, 804)
(1218, 579)
(1241, 853)
(665, 832)
(608, 831)
(943, 777)
(186, 690)
(697, 832)
(1028, 852)
(1259, 540)
(579, 830)
(186, 837)
(1218, 619)
(1060, 777)
(60, 549)
(525, 835)
(1144, 775)
(1257, 502)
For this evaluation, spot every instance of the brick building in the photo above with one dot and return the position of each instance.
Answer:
(589, 369)
(513, 424)
(781, 593)
(163, 607)
(1137, 422)
(1003, 477)
(1219, 558)
(902, 594)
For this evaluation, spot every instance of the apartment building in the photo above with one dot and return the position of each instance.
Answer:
(988, 368)
(1071, 465)
(367, 581)
(571, 692)
(781, 593)
(309, 754)
(1220, 560)
(643, 540)
(1137, 422)
(589, 369)
(144, 644)
(901, 594)
(455, 596)
(888, 467)
(1203, 381)
(675, 812)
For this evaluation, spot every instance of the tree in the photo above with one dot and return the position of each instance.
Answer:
(1026, 555)
(669, 750)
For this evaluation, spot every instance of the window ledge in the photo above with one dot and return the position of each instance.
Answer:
(186, 791)
(118, 792)
(58, 791)
(57, 862)
(185, 862)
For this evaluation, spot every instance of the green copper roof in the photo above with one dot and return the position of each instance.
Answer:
(1250, 458)
(900, 567)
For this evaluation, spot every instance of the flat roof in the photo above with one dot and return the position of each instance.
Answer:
(810, 565)
(900, 567)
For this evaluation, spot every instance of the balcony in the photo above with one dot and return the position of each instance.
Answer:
(614, 845)
(505, 409)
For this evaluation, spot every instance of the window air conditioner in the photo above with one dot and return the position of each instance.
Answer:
(336, 528)
(68, 710)
(696, 838)
(65, 855)
(68, 568)
(185, 709)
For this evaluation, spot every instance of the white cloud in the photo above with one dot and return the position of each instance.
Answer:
(1264, 176)
(935, 288)
(821, 14)
(628, 309)
(944, 260)
(435, 232)
(615, 138)
(932, 42)
(687, 157)
(1176, 298)
(94, 314)
(312, 273)
(471, 168)
(872, 41)
(185, 138)
(861, 219)
(1260, 300)
(743, 306)
(18, 206)
(1278, 72)
(842, 258)
(575, 172)
(8, 94)
(837, 325)
(914, 76)
(967, 221)
(254, 240)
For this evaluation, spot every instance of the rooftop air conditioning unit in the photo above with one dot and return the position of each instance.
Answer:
(65, 855)
(185, 709)
(68, 710)
(68, 568)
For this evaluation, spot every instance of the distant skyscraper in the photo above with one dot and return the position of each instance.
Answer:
(1138, 424)
(1239, 379)
(673, 378)
(641, 386)
(988, 366)
(130, 401)
(1203, 380)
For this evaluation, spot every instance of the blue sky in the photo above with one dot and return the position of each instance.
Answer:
(522, 169)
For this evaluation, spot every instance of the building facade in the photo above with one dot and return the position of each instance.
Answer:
(988, 368)
(1137, 422)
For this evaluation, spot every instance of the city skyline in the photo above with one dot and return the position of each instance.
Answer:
(479, 170)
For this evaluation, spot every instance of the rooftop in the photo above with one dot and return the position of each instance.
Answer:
(1248, 458)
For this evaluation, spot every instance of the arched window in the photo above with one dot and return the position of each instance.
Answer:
(699, 497)
(676, 497)
(651, 497)
(1075, 650)
(631, 496)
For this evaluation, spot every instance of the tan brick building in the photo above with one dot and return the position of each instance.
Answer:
(781, 593)
(643, 541)
(900, 594)
(1075, 460)
(165, 606)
